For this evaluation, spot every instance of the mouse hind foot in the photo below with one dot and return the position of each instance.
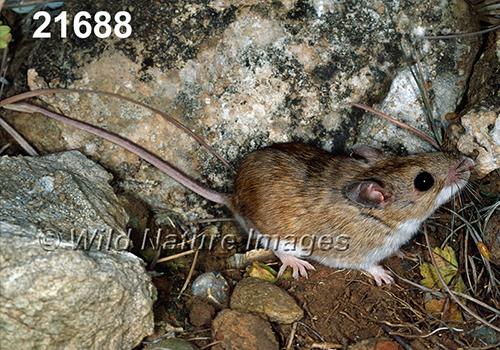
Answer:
(299, 266)
(379, 274)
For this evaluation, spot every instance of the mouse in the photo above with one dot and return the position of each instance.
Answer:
(347, 211)
(343, 211)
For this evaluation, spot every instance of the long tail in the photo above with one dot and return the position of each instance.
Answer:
(168, 169)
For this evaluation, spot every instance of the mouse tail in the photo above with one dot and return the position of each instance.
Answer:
(187, 181)
(143, 153)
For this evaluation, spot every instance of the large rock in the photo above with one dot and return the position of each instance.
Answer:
(477, 132)
(64, 194)
(244, 74)
(56, 293)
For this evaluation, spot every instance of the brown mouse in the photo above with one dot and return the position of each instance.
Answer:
(341, 211)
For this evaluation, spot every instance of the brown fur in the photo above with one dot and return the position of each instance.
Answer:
(292, 190)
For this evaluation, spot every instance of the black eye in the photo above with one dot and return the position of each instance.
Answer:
(423, 182)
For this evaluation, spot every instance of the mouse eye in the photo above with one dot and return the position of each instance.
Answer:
(423, 182)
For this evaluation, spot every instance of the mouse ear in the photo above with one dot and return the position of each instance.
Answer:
(369, 194)
(370, 154)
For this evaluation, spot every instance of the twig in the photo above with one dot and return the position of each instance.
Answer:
(395, 336)
(292, 336)
(211, 344)
(175, 256)
(400, 123)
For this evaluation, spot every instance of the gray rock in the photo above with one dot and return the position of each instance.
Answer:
(404, 102)
(171, 344)
(241, 331)
(256, 295)
(477, 133)
(446, 68)
(245, 74)
(55, 294)
(211, 286)
(70, 196)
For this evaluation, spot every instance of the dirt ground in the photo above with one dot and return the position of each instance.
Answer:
(344, 306)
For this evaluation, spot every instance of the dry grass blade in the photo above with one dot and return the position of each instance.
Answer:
(4, 147)
(292, 336)
(469, 264)
(326, 346)
(211, 344)
(477, 238)
(188, 278)
(441, 295)
(427, 102)
(488, 10)
(459, 36)
(490, 210)
(19, 139)
(482, 3)
(395, 336)
(3, 69)
(452, 295)
(401, 124)
(313, 331)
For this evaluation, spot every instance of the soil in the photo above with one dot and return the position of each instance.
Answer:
(344, 306)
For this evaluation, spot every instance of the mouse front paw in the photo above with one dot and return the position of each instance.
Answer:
(299, 266)
(400, 254)
(379, 274)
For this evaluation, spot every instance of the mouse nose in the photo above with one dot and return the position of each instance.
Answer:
(468, 164)
(462, 171)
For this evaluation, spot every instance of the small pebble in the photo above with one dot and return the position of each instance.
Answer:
(172, 344)
(240, 331)
(256, 295)
(211, 286)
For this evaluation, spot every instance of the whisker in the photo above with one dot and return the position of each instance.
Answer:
(472, 194)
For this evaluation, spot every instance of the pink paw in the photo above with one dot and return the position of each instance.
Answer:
(299, 266)
(379, 274)
(400, 254)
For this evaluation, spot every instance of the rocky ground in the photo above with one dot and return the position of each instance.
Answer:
(243, 75)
